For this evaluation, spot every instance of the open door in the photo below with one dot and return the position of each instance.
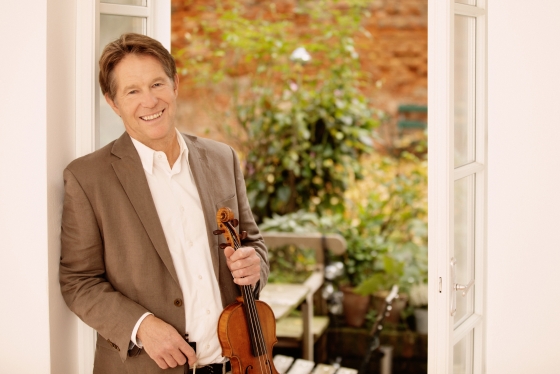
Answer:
(457, 185)
(98, 23)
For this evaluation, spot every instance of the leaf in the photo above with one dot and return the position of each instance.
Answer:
(283, 193)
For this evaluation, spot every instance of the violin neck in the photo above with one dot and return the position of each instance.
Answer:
(253, 322)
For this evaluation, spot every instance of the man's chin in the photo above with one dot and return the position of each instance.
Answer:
(154, 134)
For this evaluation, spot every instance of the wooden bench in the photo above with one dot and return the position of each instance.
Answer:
(287, 365)
(284, 298)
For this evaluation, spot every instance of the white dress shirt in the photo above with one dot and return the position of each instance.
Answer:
(180, 212)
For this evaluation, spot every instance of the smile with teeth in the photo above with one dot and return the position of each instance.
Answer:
(152, 116)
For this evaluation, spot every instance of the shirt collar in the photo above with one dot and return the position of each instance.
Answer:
(147, 154)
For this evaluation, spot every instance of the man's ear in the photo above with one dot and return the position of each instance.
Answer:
(176, 83)
(112, 104)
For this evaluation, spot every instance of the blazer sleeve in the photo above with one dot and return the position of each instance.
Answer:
(247, 223)
(84, 287)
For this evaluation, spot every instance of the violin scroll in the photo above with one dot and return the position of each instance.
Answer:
(226, 222)
(224, 214)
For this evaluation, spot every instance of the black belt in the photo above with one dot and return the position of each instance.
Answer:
(212, 369)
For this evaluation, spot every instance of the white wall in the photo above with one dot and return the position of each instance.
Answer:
(523, 325)
(61, 126)
(37, 333)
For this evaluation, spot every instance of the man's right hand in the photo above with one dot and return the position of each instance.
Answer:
(164, 344)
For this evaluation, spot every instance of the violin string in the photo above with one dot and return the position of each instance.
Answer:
(251, 309)
(253, 316)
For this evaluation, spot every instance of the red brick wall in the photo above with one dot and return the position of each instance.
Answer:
(395, 56)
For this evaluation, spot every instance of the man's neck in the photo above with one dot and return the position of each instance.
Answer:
(169, 146)
(172, 150)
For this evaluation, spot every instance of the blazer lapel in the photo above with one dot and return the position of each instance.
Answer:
(198, 163)
(130, 173)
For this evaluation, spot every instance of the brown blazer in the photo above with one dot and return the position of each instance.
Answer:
(115, 263)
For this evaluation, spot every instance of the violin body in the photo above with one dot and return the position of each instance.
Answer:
(233, 336)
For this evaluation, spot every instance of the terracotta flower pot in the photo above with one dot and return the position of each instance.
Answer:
(355, 306)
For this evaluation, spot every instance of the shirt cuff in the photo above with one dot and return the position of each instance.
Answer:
(133, 339)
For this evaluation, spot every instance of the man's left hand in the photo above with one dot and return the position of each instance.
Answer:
(244, 264)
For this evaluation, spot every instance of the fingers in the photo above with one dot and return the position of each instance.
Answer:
(247, 280)
(178, 356)
(244, 264)
(168, 360)
(241, 254)
(164, 344)
(229, 251)
(189, 354)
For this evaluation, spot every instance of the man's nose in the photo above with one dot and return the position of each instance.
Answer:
(149, 100)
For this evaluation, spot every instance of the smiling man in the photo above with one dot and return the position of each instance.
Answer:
(139, 261)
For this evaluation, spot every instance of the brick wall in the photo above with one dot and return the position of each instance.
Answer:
(395, 55)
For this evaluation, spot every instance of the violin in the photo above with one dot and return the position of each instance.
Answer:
(247, 327)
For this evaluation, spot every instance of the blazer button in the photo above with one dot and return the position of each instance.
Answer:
(178, 302)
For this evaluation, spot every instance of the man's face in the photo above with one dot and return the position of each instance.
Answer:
(145, 99)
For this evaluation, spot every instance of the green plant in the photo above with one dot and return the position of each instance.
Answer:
(387, 225)
(302, 128)
(306, 148)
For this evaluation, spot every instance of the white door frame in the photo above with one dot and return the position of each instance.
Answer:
(158, 26)
(442, 175)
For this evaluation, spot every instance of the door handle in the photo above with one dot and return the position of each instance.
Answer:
(464, 288)
(457, 287)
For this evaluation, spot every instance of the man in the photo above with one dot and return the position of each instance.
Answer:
(139, 262)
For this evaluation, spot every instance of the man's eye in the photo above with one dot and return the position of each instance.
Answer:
(158, 84)
(132, 92)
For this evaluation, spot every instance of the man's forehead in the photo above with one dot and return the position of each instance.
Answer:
(134, 70)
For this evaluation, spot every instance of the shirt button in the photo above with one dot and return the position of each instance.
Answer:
(190, 244)
(178, 302)
(182, 209)
(207, 311)
(159, 156)
(200, 277)
(207, 346)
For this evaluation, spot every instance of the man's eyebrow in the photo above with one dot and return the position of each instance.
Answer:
(134, 85)
(129, 87)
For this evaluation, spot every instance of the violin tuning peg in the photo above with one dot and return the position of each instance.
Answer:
(223, 245)
(235, 222)
(243, 235)
(218, 232)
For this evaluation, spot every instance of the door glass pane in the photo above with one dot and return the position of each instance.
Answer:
(465, 28)
(126, 2)
(468, 2)
(464, 244)
(111, 27)
(463, 355)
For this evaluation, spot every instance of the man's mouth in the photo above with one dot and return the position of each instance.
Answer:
(152, 116)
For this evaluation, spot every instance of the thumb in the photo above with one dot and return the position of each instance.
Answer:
(228, 251)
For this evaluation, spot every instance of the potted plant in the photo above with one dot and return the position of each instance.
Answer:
(387, 229)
